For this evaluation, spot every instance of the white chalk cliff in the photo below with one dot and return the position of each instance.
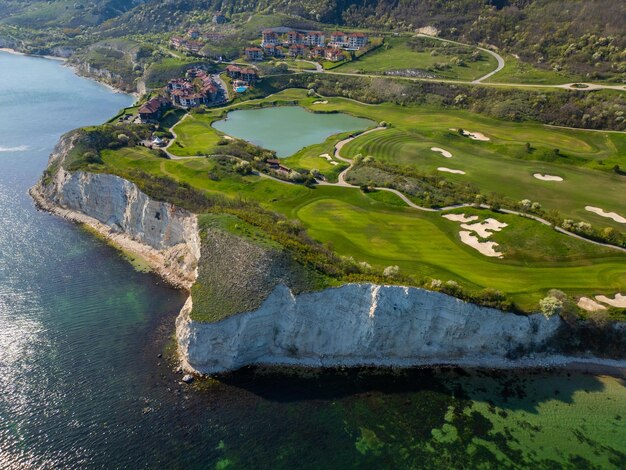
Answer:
(361, 324)
(163, 234)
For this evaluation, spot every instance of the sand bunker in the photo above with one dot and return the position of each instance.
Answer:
(486, 248)
(541, 177)
(334, 163)
(618, 301)
(476, 136)
(326, 156)
(448, 170)
(443, 152)
(590, 305)
(460, 217)
(485, 229)
(610, 215)
(320, 102)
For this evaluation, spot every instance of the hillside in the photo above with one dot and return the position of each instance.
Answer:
(581, 37)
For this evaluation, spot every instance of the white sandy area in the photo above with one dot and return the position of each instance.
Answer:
(449, 170)
(541, 177)
(618, 301)
(443, 152)
(476, 136)
(334, 163)
(590, 305)
(485, 229)
(460, 217)
(610, 215)
(326, 156)
(486, 248)
(227, 137)
(320, 102)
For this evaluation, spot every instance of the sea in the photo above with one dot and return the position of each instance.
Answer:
(88, 375)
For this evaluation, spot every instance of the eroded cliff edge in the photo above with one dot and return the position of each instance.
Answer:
(250, 303)
(165, 236)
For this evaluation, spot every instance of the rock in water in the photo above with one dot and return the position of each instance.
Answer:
(188, 378)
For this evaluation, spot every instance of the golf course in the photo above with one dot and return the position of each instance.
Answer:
(378, 229)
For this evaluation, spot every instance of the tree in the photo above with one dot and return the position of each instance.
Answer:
(391, 271)
(550, 306)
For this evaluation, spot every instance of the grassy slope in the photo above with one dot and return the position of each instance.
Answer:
(397, 55)
(516, 71)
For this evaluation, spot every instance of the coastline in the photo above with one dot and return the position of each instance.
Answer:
(120, 241)
(8, 50)
(74, 69)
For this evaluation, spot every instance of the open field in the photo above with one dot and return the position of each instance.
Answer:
(441, 59)
(516, 71)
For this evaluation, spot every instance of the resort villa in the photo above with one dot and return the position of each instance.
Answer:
(306, 44)
(196, 89)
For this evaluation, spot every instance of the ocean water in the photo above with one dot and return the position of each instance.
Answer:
(82, 384)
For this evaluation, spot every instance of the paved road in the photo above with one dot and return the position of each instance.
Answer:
(479, 81)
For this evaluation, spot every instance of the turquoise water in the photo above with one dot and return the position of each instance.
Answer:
(287, 129)
(241, 89)
(82, 386)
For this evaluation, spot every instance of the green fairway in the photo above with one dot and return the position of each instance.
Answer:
(505, 169)
(438, 58)
(382, 233)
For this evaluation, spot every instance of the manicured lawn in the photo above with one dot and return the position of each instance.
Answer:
(422, 244)
(397, 54)
(504, 169)
(195, 136)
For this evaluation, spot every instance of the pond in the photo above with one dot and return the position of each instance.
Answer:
(287, 129)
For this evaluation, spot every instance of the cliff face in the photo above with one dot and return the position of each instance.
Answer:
(164, 235)
(362, 324)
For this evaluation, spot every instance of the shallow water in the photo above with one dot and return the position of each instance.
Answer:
(287, 129)
(81, 385)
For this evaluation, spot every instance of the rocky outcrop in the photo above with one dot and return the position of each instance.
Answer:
(362, 324)
(164, 235)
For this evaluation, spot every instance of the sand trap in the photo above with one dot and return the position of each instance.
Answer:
(590, 305)
(484, 229)
(460, 217)
(476, 136)
(326, 156)
(320, 102)
(443, 152)
(541, 177)
(449, 170)
(618, 301)
(486, 248)
(334, 163)
(611, 215)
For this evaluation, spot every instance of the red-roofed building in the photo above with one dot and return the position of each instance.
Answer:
(254, 53)
(297, 50)
(269, 37)
(334, 55)
(152, 110)
(357, 40)
(316, 52)
(338, 38)
(314, 38)
(294, 37)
